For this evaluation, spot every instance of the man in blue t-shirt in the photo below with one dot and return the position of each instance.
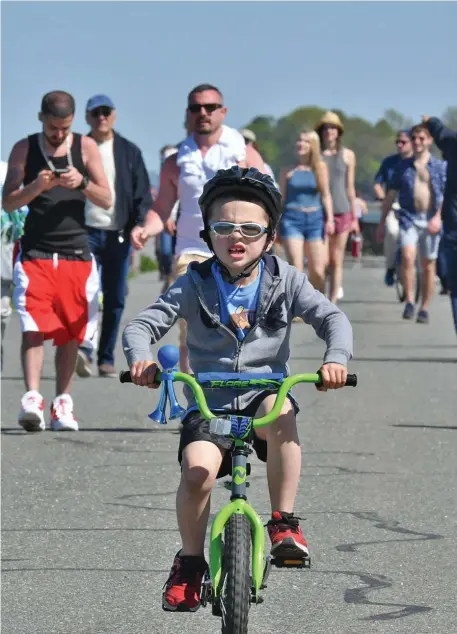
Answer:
(381, 186)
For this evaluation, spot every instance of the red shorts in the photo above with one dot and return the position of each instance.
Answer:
(57, 297)
(343, 222)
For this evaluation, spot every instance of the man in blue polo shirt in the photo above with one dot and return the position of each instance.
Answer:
(381, 186)
(419, 183)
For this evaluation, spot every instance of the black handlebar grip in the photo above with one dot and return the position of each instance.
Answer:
(351, 380)
(124, 376)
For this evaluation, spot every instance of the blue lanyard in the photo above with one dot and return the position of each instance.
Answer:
(224, 297)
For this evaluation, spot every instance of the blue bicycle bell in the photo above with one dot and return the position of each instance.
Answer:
(168, 357)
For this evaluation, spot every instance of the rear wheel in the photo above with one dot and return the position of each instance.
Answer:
(400, 290)
(418, 284)
(236, 588)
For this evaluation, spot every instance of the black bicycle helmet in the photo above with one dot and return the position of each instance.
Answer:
(240, 181)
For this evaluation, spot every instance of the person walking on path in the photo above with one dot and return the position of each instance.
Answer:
(446, 140)
(211, 146)
(341, 163)
(115, 231)
(55, 277)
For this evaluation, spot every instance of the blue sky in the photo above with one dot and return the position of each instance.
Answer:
(266, 57)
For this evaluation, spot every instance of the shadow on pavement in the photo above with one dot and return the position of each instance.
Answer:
(388, 359)
(424, 426)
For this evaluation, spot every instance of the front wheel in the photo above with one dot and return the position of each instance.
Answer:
(236, 579)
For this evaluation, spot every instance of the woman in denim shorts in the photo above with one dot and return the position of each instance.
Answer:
(306, 194)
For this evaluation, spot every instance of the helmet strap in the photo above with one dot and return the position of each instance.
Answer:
(243, 275)
(232, 279)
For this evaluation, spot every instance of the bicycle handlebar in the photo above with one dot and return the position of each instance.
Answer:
(285, 385)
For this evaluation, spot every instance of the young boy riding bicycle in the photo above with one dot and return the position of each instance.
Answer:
(239, 308)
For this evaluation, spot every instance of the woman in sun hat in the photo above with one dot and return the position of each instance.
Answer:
(341, 167)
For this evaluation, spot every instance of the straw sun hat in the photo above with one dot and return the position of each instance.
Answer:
(330, 118)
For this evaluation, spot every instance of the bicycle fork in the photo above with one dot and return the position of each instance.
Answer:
(238, 504)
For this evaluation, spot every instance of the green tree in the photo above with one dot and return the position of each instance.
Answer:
(450, 117)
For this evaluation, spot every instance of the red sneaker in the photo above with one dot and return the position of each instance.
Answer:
(183, 587)
(286, 537)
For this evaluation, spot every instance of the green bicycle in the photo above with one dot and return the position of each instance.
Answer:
(238, 565)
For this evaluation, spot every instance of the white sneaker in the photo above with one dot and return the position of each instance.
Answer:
(62, 418)
(31, 415)
(340, 294)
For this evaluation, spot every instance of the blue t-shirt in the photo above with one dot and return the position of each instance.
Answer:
(387, 169)
(238, 303)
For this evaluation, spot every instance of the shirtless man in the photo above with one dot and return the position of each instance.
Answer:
(210, 147)
(419, 183)
(55, 277)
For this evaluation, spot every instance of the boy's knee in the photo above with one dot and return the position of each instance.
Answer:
(286, 420)
(200, 466)
(199, 479)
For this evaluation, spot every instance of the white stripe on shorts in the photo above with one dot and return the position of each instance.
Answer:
(21, 282)
(92, 290)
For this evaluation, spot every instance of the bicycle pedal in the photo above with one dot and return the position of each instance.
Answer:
(284, 562)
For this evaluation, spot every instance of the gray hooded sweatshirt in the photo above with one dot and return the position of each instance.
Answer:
(285, 293)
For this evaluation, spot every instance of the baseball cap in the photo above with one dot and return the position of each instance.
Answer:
(99, 100)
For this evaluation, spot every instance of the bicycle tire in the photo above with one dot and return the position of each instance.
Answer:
(236, 575)
(400, 291)
(418, 285)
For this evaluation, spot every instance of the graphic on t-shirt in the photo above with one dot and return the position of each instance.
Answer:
(243, 318)
(238, 303)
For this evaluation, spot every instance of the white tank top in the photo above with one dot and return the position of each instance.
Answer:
(194, 171)
(97, 217)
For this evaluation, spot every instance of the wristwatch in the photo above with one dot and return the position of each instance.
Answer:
(84, 183)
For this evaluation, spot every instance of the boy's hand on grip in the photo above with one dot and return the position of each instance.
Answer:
(143, 373)
(333, 375)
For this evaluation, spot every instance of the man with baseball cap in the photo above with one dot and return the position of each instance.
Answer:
(114, 231)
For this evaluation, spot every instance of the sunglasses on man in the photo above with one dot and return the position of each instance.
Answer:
(195, 108)
(101, 111)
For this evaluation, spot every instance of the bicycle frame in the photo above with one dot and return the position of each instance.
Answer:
(238, 504)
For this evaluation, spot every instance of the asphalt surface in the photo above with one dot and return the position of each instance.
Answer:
(89, 528)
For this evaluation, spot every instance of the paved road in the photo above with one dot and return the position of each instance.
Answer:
(88, 518)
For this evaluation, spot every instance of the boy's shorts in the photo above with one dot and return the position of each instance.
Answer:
(195, 428)
(57, 298)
